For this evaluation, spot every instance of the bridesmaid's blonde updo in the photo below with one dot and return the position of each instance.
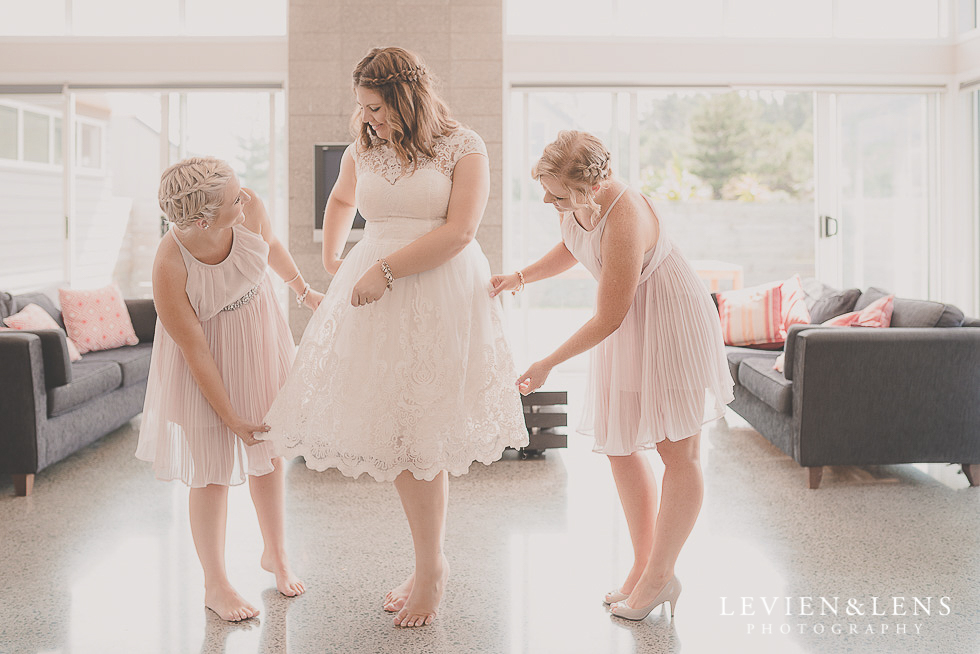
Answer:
(192, 190)
(416, 114)
(580, 162)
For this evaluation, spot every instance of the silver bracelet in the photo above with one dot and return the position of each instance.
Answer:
(389, 279)
(302, 298)
(293, 279)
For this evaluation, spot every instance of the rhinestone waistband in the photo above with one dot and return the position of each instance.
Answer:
(243, 300)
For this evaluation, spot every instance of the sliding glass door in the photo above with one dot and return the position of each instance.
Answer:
(879, 189)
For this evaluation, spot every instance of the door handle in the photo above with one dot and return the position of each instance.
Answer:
(828, 226)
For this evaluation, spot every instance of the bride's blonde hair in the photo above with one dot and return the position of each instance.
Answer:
(192, 190)
(579, 161)
(416, 114)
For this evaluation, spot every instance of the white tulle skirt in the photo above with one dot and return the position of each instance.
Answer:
(180, 433)
(421, 380)
(663, 374)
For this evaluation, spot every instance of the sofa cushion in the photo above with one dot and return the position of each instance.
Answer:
(90, 379)
(770, 386)
(6, 304)
(18, 302)
(914, 313)
(133, 360)
(736, 355)
(835, 304)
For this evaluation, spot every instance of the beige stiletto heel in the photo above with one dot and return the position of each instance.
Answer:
(669, 593)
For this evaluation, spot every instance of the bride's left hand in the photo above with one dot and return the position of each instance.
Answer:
(534, 378)
(370, 287)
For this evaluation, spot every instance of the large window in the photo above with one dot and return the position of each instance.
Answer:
(895, 19)
(131, 18)
(734, 179)
(122, 140)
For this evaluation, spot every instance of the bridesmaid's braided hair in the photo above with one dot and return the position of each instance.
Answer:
(194, 189)
(579, 161)
(416, 114)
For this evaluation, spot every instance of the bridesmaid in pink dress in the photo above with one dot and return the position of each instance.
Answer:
(658, 370)
(221, 352)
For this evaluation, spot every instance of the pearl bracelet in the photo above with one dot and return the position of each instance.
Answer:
(389, 279)
(520, 285)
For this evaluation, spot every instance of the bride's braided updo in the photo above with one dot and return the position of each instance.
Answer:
(193, 189)
(579, 161)
(416, 114)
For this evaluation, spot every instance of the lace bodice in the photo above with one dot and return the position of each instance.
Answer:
(388, 189)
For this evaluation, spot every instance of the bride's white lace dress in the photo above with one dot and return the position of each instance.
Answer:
(422, 379)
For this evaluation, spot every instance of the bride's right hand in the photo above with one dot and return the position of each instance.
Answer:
(501, 283)
(245, 430)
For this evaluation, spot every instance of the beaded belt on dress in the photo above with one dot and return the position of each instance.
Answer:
(243, 300)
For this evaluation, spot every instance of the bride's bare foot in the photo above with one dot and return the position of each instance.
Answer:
(423, 601)
(287, 583)
(396, 597)
(228, 604)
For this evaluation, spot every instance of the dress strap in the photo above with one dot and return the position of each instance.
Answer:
(609, 208)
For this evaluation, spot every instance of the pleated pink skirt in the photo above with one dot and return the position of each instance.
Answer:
(663, 374)
(180, 433)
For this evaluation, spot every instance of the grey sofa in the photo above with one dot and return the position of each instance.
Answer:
(49, 407)
(865, 396)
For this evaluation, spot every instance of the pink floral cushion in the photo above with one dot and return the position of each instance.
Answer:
(876, 314)
(752, 316)
(34, 317)
(97, 319)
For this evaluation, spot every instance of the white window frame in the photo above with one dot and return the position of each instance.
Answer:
(101, 125)
(20, 163)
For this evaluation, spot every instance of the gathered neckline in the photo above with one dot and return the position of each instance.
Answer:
(234, 241)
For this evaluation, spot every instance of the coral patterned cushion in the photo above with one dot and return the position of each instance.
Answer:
(794, 304)
(34, 317)
(97, 319)
(752, 316)
(876, 314)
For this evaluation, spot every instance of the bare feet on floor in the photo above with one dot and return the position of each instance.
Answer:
(287, 583)
(423, 601)
(396, 597)
(228, 604)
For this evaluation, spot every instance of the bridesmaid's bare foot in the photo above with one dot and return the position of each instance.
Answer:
(423, 602)
(228, 604)
(396, 597)
(287, 583)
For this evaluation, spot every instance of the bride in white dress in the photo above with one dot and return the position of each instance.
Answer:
(403, 371)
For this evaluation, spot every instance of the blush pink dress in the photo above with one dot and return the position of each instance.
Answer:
(251, 344)
(663, 374)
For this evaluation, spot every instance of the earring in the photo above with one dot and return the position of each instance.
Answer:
(204, 224)
(595, 188)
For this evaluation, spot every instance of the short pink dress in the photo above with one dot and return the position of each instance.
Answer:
(251, 344)
(663, 374)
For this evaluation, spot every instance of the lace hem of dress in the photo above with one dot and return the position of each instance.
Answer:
(355, 469)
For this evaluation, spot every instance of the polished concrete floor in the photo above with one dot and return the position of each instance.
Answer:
(100, 560)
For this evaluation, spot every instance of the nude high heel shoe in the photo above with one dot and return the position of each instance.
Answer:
(614, 596)
(669, 593)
